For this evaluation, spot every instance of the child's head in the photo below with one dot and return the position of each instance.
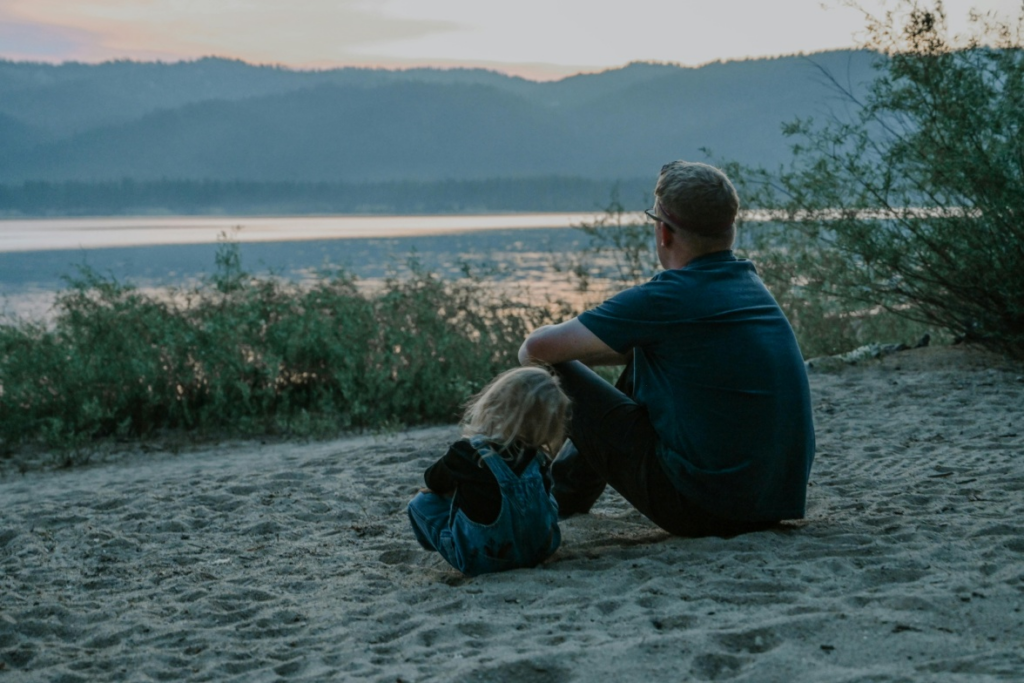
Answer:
(525, 404)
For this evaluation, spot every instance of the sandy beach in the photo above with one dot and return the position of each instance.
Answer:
(294, 561)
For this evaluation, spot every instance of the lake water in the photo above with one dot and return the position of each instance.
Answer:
(119, 231)
(162, 251)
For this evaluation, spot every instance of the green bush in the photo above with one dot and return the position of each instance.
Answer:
(912, 204)
(825, 324)
(253, 356)
(621, 253)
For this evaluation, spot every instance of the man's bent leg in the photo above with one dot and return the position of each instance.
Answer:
(614, 443)
(607, 425)
(577, 486)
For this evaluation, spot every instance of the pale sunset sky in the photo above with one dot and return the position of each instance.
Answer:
(539, 39)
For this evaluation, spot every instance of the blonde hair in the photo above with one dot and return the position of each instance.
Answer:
(523, 404)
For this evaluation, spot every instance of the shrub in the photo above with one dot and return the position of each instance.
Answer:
(253, 355)
(914, 202)
(621, 253)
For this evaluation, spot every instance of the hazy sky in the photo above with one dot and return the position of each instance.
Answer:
(535, 38)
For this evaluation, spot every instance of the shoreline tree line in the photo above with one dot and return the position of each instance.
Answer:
(198, 197)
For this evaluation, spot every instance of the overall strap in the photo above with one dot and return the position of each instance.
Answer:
(502, 472)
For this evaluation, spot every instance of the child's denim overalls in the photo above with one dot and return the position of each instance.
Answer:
(524, 534)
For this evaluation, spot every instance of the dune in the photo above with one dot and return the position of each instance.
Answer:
(294, 561)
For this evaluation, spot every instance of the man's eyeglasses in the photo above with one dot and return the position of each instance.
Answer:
(659, 215)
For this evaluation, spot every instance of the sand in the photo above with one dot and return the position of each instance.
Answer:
(249, 562)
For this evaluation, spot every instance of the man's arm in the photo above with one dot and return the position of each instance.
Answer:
(566, 341)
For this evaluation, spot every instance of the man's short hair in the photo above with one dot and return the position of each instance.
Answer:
(700, 198)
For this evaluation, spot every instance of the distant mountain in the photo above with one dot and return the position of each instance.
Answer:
(16, 138)
(70, 98)
(222, 120)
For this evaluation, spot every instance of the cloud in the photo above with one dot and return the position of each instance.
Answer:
(35, 42)
(297, 32)
(525, 36)
(577, 32)
(682, 31)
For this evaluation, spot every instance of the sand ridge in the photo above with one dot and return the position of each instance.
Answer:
(249, 562)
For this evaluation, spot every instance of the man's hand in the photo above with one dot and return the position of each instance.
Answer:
(567, 341)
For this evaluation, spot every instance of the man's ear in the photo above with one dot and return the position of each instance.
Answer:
(667, 236)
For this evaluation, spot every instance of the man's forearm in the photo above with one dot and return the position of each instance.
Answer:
(567, 341)
(590, 360)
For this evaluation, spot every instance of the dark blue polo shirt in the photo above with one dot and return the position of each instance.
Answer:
(718, 368)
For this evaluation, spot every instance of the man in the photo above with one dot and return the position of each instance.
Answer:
(709, 430)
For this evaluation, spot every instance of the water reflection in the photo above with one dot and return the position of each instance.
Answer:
(521, 260)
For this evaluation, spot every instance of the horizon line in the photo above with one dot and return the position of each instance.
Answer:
(511, 71)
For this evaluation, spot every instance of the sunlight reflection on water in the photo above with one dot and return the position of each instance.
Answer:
(139, 231)
(520, 259)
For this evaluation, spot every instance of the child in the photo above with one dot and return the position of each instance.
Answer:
(488, 503)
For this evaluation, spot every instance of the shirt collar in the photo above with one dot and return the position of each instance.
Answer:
(714, 257)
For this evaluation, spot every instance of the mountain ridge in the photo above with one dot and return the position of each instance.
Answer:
(216, 119)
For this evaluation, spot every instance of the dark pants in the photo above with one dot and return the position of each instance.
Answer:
(613, 442)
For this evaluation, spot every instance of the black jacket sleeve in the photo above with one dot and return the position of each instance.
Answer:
(460, 464)
(462, 473)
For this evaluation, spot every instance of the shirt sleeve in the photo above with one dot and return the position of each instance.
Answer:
(626, 320)
(458, 464)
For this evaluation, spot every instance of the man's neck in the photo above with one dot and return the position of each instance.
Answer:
(684, 254)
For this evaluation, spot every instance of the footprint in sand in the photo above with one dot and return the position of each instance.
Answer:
(522, 671)
(716, 667)
(755, 641)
